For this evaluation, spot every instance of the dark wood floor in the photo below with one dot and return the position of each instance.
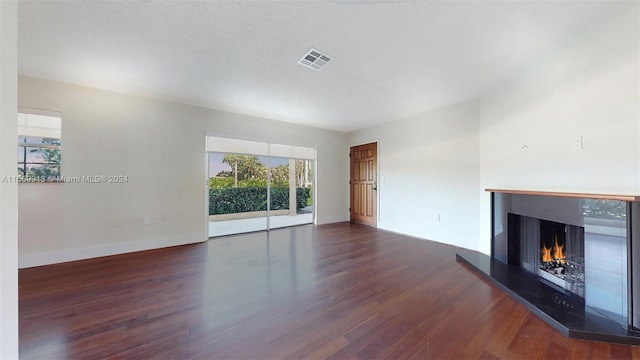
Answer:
(333, 291)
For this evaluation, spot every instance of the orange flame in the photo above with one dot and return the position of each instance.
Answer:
(554, 253)
(546, 254)
(558, 251)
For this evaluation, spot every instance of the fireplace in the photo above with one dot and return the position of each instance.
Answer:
(552, 250)
(572, 259)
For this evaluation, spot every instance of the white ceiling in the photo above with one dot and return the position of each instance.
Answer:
(391, 60)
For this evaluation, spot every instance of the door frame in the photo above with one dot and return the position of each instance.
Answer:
(365, 142)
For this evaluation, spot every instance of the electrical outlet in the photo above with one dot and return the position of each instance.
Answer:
(155, 220)
(147, 220)
(578, 143)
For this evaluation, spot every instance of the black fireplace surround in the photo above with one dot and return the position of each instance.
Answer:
(569, 259)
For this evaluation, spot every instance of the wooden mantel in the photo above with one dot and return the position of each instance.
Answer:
(569, 194)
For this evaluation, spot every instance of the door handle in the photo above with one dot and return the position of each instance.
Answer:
(375, 186)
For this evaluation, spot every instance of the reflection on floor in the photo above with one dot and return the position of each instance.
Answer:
(338, 291)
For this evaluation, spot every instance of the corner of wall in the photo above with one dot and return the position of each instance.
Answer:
(8, 188)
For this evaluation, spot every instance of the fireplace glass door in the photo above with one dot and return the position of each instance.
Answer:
(552, 250)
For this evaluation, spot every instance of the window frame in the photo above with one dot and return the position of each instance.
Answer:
(25, 146)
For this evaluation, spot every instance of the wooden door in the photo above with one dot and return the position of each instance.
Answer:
(364, 184)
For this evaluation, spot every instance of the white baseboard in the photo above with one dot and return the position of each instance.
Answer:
(89, 252)
(384, 228)
(331, 219)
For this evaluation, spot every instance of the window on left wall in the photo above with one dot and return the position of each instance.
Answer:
(39, 146)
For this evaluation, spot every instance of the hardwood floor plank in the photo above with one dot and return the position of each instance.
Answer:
(600, 350)
(337, 291)
(501, 320)
(328, 349)
(620, 352)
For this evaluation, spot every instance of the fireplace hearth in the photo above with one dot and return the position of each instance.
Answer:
(568, 257)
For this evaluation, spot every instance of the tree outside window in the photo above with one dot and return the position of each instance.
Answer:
(39, 146)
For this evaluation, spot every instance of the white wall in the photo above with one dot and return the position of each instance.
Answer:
(589, 87)
(8, 190)
(160, 146)
(429, 166)
(521, 136)
(435, 164)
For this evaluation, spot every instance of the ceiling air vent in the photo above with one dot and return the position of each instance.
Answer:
(314, 59)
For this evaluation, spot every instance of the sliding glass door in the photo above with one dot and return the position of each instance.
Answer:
(252, 190)
(237, 193)
(291, 192)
